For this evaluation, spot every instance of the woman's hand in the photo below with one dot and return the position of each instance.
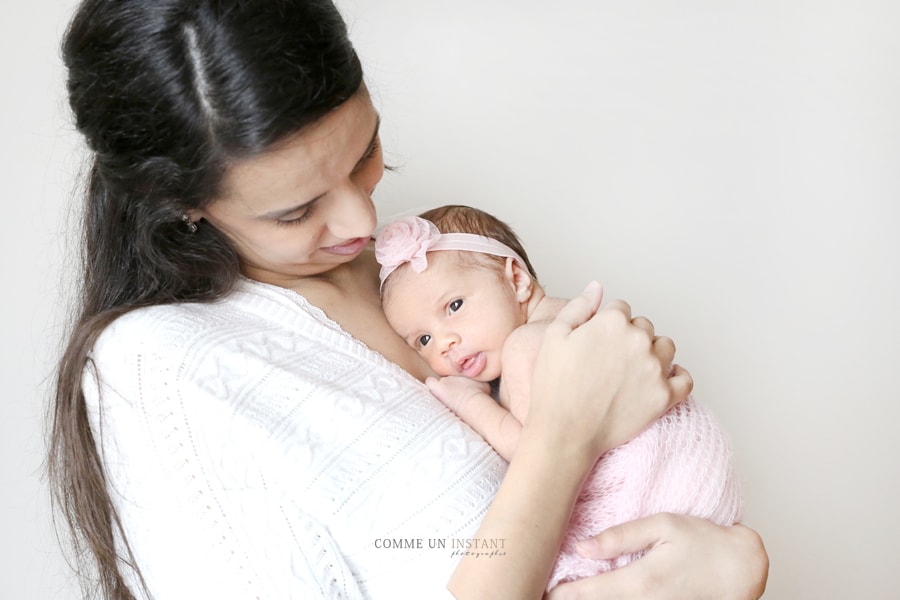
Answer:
(601, 377)
(687, 559)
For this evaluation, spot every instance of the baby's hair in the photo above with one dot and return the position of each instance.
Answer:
(457, 218)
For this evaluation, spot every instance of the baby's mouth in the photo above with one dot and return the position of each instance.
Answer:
(472, 365)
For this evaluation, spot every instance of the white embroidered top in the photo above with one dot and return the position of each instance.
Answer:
(256, 450)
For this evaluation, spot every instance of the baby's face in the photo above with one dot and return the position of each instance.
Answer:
(456, 316)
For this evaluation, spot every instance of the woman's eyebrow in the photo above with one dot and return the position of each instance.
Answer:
(371, 145)
(283, 212)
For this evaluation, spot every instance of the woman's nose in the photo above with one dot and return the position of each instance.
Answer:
(351, 212)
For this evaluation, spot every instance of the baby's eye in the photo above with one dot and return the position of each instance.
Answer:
(456, 305)
(423, 340)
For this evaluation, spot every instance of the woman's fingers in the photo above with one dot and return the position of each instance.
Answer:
(602, 376)
(681, 383)
(664, 348)
(625, 538)
(643, 323)
(688, 558)
(580, 308)
(620, 306)
(631, 580)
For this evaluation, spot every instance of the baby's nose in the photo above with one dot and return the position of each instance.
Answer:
(448, 342)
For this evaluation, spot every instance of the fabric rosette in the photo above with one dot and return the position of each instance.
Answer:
(405, 241)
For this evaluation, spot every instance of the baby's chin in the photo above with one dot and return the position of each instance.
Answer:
(488, 375)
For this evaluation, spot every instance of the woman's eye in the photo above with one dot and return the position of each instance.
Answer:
(294, 221)
(423, 340)
(297, 219)
(456, 305)
(372, 151)
(374, 148)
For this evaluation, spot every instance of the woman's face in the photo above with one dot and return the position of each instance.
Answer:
(305, 207)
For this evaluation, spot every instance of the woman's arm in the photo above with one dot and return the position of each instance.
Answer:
(689, 559)
(592, 366)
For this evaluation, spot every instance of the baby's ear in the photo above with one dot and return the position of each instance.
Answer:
(520, 279)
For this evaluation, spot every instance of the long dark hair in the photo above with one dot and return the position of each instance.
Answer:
(168, 94)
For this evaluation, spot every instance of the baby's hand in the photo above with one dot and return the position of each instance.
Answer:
(454, 391)
(472, 402)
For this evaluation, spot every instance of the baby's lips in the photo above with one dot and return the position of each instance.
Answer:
(473, 365)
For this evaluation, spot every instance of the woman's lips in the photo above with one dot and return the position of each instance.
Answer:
(473, 365)
(354, 246)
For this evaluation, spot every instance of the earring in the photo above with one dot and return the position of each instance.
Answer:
(192, 227)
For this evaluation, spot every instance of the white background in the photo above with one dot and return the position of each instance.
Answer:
(730, 168)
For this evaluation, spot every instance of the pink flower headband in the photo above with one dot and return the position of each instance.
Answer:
(408, 240)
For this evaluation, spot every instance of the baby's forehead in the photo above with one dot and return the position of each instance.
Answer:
(462, 263)
(445, 269)
(408, 298)
(404, 284)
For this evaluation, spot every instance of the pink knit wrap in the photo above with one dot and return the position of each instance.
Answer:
(681, 464)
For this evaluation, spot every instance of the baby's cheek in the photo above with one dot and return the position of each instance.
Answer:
(439, 366)
(442, 370)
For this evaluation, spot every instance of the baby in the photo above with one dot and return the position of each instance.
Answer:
(457, 285)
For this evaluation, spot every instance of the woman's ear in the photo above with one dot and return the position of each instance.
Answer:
(195, 214)
(519, 279)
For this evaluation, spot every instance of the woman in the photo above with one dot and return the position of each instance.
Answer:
(234, 417)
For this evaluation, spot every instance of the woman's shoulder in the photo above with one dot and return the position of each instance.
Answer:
(248, 300)
(164, 322)
(170, 327)
(255, 321)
